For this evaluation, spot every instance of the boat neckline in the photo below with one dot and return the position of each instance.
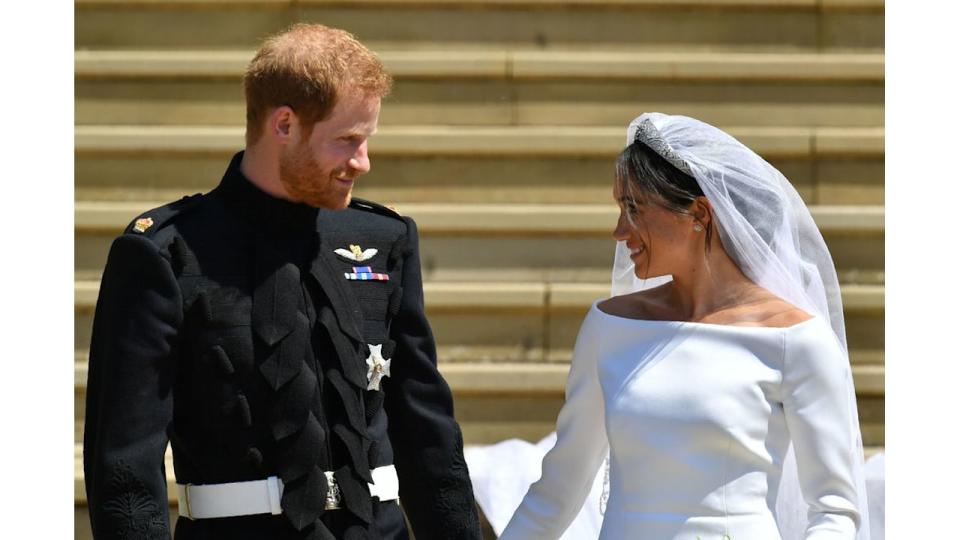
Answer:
(698, 324)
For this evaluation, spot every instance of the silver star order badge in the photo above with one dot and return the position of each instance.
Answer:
(377, 367)
(333, 492)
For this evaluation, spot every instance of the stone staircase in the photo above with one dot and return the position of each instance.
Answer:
(499, 139)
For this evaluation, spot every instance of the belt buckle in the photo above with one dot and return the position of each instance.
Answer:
(333, 492)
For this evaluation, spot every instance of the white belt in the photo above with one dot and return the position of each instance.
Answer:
(204, 501)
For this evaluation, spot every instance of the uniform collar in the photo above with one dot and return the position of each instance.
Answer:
(261, 209)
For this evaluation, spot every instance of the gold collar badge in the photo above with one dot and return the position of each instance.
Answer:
(143, 224)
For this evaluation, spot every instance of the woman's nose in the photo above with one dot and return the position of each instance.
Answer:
(622, 230)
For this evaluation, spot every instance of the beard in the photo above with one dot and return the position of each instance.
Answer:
(307, 182)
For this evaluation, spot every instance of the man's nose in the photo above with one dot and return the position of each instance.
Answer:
(360, 161)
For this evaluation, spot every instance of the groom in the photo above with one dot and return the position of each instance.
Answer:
(272, 330)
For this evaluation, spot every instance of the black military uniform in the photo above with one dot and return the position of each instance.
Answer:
(238, 327)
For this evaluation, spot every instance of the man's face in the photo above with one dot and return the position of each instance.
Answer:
(320, 171)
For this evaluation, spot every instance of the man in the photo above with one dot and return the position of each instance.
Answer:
(273, 331)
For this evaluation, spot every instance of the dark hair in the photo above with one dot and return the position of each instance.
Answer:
(645, 177)
(641, 172)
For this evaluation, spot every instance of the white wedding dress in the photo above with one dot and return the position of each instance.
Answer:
(697, 419)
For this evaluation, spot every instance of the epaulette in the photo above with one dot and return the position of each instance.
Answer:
(370, 206)
(151, 221)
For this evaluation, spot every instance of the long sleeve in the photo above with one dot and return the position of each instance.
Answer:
(435, 487)
(129, 399)
(569, 468)
(815, 399)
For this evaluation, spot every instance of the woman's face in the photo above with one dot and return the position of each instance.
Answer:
(660, 241)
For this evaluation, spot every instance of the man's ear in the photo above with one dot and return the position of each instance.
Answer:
(283, 124)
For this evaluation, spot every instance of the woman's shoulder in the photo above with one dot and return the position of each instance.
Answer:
(763, 309)
(760, 308)
(774, 313)
(622, 306)
(649, 305)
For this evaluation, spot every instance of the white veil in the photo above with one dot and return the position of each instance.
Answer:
(766, 228)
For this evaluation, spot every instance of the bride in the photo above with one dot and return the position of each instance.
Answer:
(724, 397)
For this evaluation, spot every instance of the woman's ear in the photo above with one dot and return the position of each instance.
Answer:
(702, 212)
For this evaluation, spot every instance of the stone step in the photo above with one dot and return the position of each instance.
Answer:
(493, 63)
(533, 322)
(520, 164)
(400, 180)
(514, 219)
(433, 140)
(503, 87)
(518, 243)
(533, 24)
(525, 379)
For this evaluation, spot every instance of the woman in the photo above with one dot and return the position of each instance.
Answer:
(724, 396)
